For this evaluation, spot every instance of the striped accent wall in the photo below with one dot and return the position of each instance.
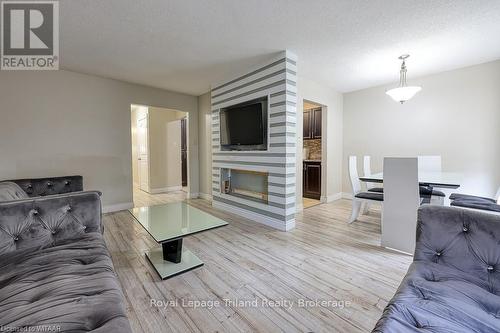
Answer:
(278, 81)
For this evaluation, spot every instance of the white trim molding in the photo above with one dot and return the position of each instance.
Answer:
(165, 189)
(269, 221)
(117, 207)
(205, 196)
(331, 197)
(346, 195)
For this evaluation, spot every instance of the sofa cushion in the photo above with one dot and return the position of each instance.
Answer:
(11, 191)
(453, 285)
(41, 222)
(438, 298)
(70, 286)
(39, 187)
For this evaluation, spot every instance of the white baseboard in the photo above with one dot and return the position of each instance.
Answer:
(299, 206)
(205, 196)
(346, 195)
(331, 197)
(165, 189)
(117, 207)
(192, 195)
(399, 251)
(262, 219)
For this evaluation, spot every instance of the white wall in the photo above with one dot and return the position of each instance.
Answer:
(456, 115)
(205, 151)
(173, 157)
(60, 123)
(331, 131)
(164, 158)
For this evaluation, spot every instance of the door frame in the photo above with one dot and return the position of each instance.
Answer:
(324, 115)
(146, 116)
(189, 116)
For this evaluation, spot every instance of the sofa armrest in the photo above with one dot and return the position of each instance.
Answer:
(49, 186)
(43, 221)
(464, 239)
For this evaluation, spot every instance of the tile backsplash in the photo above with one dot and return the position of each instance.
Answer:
(314, 148)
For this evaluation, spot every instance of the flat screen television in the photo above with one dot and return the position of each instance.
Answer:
(244, 126)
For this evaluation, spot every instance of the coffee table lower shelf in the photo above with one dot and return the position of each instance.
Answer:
(167, 269)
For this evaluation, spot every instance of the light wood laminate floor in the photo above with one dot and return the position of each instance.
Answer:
(307, 203)
(322, 259)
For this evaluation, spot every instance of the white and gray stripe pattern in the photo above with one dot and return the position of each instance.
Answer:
(276, 80)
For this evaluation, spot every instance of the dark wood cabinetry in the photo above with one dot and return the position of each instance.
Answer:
(307, 133)
(312, 124)
(184, 150)
(311, 180)
(316, 123)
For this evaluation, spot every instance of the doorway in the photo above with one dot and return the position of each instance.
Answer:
(160, 150)
(312, 154)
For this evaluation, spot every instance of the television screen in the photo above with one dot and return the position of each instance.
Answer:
(244, 125)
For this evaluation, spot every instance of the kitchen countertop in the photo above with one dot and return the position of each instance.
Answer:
(312, 161)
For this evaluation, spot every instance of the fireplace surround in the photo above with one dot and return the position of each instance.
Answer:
(247, 184)
(259, 184)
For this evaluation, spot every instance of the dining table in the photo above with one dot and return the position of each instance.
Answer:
(451, 180)
(399, 211)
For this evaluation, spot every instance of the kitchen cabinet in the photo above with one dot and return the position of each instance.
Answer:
(312, 124)
(307, 133)
(311, 180)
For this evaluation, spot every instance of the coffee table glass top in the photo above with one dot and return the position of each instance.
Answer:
(173, 220)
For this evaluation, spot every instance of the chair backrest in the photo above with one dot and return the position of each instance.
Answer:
(401, 202)
(429, 163)
(353, 175)
(367, 170)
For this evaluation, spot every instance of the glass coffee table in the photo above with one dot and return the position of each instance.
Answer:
(168, 224)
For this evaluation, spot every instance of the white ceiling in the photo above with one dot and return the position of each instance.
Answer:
(185, 45)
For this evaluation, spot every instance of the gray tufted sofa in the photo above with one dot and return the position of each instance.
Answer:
(453, 285)
(49, 186)
(56, 273)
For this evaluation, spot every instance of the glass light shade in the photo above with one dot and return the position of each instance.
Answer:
(402, 94)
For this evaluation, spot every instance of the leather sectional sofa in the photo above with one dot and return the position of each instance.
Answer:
(453, 284)
(56, 273)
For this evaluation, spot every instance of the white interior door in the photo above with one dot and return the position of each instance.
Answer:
(174, 170)
(143, 152)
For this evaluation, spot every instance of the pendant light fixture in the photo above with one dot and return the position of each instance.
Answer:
(403, 92)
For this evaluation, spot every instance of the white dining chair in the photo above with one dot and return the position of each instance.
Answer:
(367, 171)
(468, 197)
(401, 202)
(483, 204)
(430, 163)
(358, 196)
(370, 187)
